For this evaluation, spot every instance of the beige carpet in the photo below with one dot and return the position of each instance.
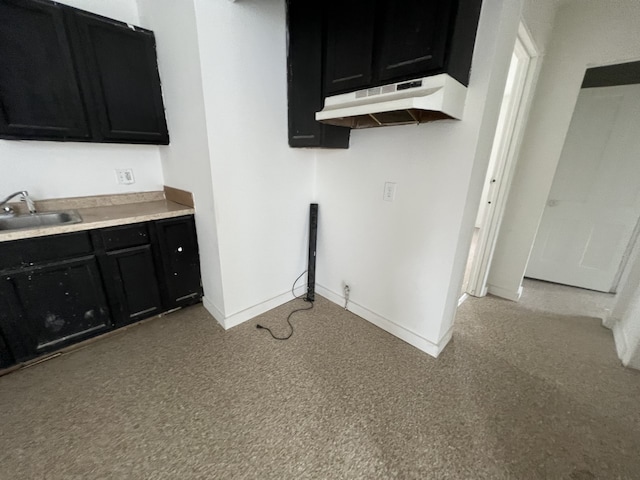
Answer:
(519, 393)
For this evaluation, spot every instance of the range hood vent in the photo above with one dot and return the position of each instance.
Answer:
(416, 101)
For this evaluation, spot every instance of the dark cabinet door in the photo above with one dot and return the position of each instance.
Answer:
(179, 260)
(12, 349)
(135, 284)
(6, 358)
(39, 91)
(349, 44)
(119, 62)
(60, 303)
(304, 75)
(412, 38)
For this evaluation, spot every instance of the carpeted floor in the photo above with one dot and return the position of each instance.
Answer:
(524, 391)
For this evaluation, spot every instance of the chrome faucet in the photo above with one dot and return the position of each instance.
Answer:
(24, 196)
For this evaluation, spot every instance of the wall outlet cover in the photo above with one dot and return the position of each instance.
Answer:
(389, 194)
(125, 176)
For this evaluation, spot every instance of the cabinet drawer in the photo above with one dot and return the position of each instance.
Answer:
(125, 236)
(30, 251)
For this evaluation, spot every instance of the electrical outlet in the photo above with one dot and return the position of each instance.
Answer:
(389, 194)
(125, 176)
(347, 291)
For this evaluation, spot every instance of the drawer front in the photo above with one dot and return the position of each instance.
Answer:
(125, 236)
(30, 251)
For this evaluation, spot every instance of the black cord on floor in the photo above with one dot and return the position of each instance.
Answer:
(293, 287)
(260, 327)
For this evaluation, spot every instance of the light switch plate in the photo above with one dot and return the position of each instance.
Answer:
(389, 194)
(125, 176)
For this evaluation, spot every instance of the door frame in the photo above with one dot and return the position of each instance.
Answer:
(511, 141)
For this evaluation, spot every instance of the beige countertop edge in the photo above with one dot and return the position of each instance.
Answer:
(108, 216)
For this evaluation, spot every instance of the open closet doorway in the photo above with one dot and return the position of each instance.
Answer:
(590, 222)
(513, 113)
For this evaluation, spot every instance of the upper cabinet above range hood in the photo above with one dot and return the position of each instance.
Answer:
(417, 101)
(369, 63)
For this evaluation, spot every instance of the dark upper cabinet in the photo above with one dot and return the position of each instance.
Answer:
(356, 44)
(66, 74)
(349, 44)
(120, 66)
(462, 39)
(304, 79)
(39, 91)
(411, 37)
(376, 42)
(179, 261)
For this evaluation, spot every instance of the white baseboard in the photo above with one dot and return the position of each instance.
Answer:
(213, 310)
(504, 293)
(608, 321)
(620, 339)
(412, 338)
(242, 316)
(462, 298)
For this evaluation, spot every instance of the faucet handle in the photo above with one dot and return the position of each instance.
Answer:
(28, 200)
(7, 209)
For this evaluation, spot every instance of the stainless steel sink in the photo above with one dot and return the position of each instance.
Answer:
(35, 220)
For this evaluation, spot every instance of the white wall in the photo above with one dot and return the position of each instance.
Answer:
(262, 187)
(123, 10)
(186, 161)
(404, 261)
(586, 33)
(627, 334)
(68, 169)
(539, 17)
(624, 319)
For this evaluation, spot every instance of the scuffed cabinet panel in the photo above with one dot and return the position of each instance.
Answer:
(61, 304)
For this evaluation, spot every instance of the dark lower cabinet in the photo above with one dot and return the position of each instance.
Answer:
(6, 358)
(135, 284)
(179, 260)
(10, 318)
(58, 290)
(59, 304)
(129, 272)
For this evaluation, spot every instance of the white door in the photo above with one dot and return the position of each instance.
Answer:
(594, 203)
(511, 125)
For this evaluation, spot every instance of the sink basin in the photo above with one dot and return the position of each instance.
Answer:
(35, 220)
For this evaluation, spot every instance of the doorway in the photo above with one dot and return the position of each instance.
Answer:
(590, 221)
(509, 131)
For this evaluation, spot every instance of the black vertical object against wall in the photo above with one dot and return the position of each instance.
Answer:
(311, 263)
